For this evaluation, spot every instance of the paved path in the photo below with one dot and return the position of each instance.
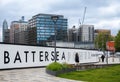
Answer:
(29, 75)
(38, 74)
(111, 60)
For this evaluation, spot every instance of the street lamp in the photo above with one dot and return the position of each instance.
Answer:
(107, 49)
(55, 18)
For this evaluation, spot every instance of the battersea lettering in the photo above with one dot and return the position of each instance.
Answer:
(41, 56)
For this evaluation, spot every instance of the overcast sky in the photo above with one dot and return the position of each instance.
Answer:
(103, 14)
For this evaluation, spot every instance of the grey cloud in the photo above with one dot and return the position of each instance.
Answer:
(71, 9)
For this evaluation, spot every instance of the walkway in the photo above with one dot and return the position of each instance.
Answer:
(111, 60)
(29, 75)
(38, 74)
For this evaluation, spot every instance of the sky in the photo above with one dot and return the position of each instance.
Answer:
(103, 14)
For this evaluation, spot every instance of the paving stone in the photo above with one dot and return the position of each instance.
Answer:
(29, 75)
(37, 74)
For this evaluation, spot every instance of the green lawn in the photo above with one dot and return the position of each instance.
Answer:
(107, 74)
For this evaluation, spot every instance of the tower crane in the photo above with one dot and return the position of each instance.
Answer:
(84, 15)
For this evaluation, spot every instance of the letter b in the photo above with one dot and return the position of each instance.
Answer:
(6, 57)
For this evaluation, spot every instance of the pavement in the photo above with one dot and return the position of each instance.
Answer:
(39, 74)
(109, 60)
(30, 75)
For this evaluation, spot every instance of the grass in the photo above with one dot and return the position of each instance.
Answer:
(107, 74)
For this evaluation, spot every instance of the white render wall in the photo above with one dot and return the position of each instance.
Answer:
(17, 58)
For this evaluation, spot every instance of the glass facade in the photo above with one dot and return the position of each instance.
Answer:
(5, 32)
(45, 28)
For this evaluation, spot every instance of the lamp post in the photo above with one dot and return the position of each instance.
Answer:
(55, 18)
(107, 49)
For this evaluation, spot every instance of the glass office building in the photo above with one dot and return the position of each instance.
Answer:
(45, 28)
(5, 32)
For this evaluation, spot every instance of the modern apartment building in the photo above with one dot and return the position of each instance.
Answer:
(5, 31)
(42, 29)
(106, 31)
(86, 33)
(18, 31)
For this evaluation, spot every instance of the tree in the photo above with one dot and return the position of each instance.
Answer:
(117, 42)
(101, 39)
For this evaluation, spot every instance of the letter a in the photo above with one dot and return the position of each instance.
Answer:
(63, 56)
(17, 57)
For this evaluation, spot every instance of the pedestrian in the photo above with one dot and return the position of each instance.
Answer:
(77, 58)
(103, 57)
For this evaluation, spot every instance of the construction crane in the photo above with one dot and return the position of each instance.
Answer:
(84, 15)
(81, 23)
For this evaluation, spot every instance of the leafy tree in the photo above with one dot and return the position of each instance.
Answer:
(101, 39)
(117, 42)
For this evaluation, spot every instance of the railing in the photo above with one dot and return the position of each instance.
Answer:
(91, 66)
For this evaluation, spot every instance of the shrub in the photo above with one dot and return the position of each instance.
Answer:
(55, 66)
(65, 65)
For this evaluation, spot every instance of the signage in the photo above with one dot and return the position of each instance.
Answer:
(19, 56)
(110, 45)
